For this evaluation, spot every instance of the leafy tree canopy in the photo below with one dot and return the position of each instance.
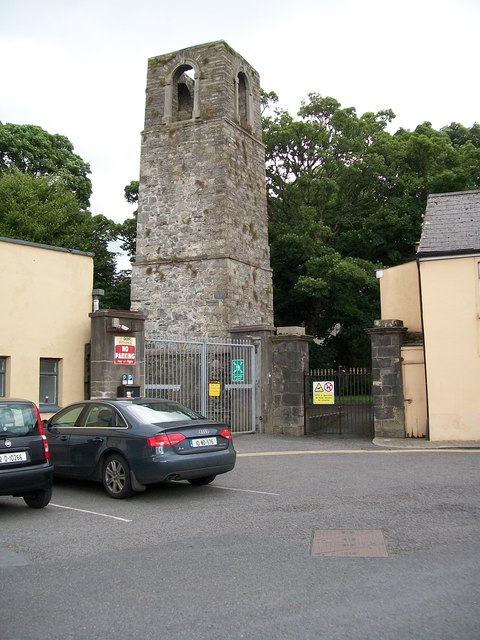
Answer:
(128, 229)
(131, 192)
(36, 152)
(346, 197)
(44, 192)
(36, 210)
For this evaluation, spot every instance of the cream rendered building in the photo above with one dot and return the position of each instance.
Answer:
(45, 323)
(438, 299)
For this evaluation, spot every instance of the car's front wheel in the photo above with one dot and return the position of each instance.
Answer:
(197, 482)
(116, 477)
(38, 499)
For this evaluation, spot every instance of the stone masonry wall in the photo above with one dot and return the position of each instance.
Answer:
(203, 263)
(387, 337)
(290, 364)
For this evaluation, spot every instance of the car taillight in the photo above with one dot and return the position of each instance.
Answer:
(46, 450)
(39, 420)
(225, 433)
(165, 439)
(41, 431)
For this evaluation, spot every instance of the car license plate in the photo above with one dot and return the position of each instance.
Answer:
(13, 457)
(203, 442)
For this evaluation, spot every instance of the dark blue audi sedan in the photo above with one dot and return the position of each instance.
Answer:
(130, 443)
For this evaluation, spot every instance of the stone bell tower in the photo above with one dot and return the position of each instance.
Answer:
(203, 264)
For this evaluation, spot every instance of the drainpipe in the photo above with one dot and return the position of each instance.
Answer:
(427, 426)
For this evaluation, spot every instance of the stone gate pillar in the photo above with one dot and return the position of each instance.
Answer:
(261, 339)
(290, 362)
(112, 329)
(387, 337)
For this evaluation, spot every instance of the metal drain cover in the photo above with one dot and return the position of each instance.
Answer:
(359, 543)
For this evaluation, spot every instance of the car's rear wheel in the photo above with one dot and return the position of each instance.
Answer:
(38, 499)
(116, 477)
(197, 482)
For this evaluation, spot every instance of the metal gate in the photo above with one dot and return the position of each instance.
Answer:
(341, 406)
(216, 378)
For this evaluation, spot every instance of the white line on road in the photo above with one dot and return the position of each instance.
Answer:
(259, 454)
(265, 493)
(94, 513)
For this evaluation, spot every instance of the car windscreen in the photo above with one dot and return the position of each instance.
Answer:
(17, 419)
(162, 412)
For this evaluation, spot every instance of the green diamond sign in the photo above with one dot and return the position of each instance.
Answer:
(238, 371)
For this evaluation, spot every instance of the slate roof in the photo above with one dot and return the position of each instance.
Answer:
(451, 225)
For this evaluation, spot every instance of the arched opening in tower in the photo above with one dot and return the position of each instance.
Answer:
(183, 94)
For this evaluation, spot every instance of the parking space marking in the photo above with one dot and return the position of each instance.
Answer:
(259, 454)
(264, 493)
(94, 513)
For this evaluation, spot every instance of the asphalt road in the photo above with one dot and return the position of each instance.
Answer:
(246, 557)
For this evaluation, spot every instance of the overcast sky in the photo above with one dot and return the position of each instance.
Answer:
(78, 67)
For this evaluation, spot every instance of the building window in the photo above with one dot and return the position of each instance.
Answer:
(242, 100)
(183, 98)
(3, 373)
(48, 381)
(182, 94)
(243, 104)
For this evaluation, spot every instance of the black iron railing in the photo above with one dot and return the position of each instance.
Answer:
(339, 402)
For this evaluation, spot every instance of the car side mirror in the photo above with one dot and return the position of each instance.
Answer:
(51, 428)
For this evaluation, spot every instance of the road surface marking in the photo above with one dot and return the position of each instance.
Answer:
(258, 454)
(94, 513)
(265, 493)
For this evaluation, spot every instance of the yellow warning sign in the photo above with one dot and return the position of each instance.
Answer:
(214, 388)
(324, 392)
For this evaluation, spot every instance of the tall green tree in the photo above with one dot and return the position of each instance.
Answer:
(346, 197)
(36, 152)
(36, 210)
(44, 194)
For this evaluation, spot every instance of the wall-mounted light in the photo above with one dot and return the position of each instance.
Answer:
(96, 295)
(116, 325)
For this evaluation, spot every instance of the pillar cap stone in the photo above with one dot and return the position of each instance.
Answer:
(387, 326)
(290, 331)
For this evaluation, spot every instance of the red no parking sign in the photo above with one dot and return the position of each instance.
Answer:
(125, 350)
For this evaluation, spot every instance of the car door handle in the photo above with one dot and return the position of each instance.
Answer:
(64, 438)
(98, 439)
